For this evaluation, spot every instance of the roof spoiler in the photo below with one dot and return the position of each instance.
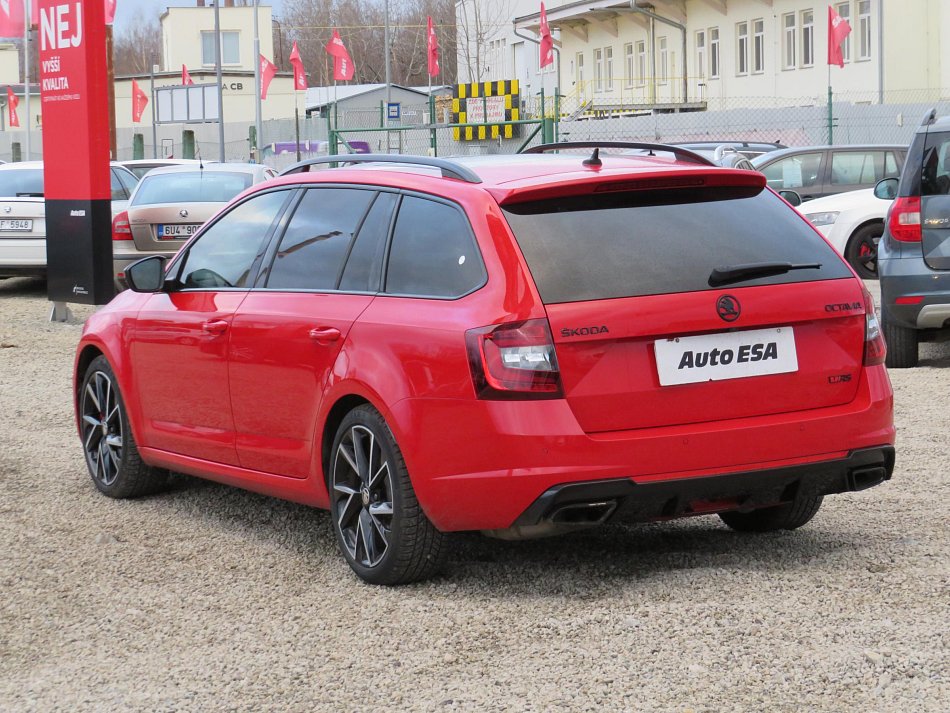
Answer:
(930, 117)
(677, 151)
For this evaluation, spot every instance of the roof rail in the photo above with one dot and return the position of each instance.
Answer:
(680, 153)
(450, 169)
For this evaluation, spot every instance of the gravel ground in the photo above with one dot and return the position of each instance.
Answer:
(210, 598)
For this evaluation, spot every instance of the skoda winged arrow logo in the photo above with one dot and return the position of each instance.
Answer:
(183, 213)
(727, 307)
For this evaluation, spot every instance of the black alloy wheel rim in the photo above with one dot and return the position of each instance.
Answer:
(102, 436)
(867, 254)
(363, 496)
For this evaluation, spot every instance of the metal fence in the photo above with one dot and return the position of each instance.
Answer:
(857, 117)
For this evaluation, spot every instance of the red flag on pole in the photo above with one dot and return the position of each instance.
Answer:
(139, 102)
(838, 29)
(185, 77)
(12, 21)
(12, 103)
(547, 42)
(110, 11)
(300, 74)
(432, 48)
(342, 63)
(268, 72)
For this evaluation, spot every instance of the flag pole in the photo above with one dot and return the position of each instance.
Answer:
(26, 73)
(258, 127)
(217, 62)
(297, 118)
(830, 110)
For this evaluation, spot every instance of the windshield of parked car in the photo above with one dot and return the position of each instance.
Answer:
(21, 182)
(191, 187)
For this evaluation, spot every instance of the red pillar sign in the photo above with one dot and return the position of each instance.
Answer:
(74, 89)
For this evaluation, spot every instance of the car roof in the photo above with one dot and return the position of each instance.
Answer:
(507, 174)
(39, 164)
(941, 123)
(208, 168)
(163, 162)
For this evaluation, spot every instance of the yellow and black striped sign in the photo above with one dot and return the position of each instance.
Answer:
(487, 104)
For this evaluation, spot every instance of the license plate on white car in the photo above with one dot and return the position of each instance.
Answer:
(176, 231)
(19, 225)
(727, 355)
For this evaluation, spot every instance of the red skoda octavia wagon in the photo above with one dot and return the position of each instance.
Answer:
(521, 345)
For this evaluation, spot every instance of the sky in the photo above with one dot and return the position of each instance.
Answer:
(128, 10)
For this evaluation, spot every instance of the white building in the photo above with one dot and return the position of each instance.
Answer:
(635, 53)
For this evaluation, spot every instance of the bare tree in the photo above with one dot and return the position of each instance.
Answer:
(139, 46)
(361, 26)
(479, 22)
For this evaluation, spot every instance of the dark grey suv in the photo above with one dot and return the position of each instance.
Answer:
(914, 252)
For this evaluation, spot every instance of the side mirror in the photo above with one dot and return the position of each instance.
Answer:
(147, 274)
(886, 189)
(792, 197)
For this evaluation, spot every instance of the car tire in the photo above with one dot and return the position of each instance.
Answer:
(861, 250)
(903, 350)
(380, 527)
(112, 456)
(789, 516)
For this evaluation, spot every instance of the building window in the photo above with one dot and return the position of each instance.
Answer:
(844, 11)
(742, 48)
(864, 29)
(808, 38)
(701, 54)
(609, 59)
(580, 72)
(714, 53)
(599, 70)
(230, 48)
(629, 65)
(641, 62)
(758, 46)
(788, 41)
(664, 52)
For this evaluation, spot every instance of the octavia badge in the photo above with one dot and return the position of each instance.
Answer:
(727, 307)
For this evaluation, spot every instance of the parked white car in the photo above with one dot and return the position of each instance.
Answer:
(853, 222)
(23, 215)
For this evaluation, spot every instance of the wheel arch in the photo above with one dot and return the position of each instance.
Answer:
(861, 226)
(343, 405)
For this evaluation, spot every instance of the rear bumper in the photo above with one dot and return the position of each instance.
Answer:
(22, 256)
(479, 465)
(574, 505)
(911, 277)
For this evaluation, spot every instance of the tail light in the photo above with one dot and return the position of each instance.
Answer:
(121, 230)
(874, 347)
(904, 220)
(514, 361)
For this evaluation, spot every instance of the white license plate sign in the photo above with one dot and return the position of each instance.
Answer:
(174, 231)
(728, 355)
(21, 225)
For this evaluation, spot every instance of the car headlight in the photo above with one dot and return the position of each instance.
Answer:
(817, 219)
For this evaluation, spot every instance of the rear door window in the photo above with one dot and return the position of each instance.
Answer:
(318, 238)
(793, 172)
(659, 242)
(364, 265)
(433, 251)
(852, 168)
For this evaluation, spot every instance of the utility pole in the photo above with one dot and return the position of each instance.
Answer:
(217, 63)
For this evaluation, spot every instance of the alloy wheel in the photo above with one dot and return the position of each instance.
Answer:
(102, 435)
(363, 495)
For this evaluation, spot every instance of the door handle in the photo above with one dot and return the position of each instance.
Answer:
(214, 327)
(324, 335)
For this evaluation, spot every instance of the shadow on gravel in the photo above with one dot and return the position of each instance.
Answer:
(586, 562)
(22, 287)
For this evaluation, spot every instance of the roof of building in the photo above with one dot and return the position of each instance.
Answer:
(321, 96)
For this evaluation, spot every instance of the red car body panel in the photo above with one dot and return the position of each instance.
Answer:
(248, 404)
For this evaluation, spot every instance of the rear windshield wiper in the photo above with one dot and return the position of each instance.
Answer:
(29, 195)
(751, 271)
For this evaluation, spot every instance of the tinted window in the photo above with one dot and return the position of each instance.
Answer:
(225, 254)
(311, 253)
(792, 172)
(128, 179)
(193, 187)
(21, 182)
(118, 190)
(363, 265)
(935, 176)
(433, 253)
(659, 242)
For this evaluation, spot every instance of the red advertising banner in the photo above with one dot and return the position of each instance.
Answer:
(75, 99)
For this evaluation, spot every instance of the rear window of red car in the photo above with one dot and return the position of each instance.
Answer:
(660, 242)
